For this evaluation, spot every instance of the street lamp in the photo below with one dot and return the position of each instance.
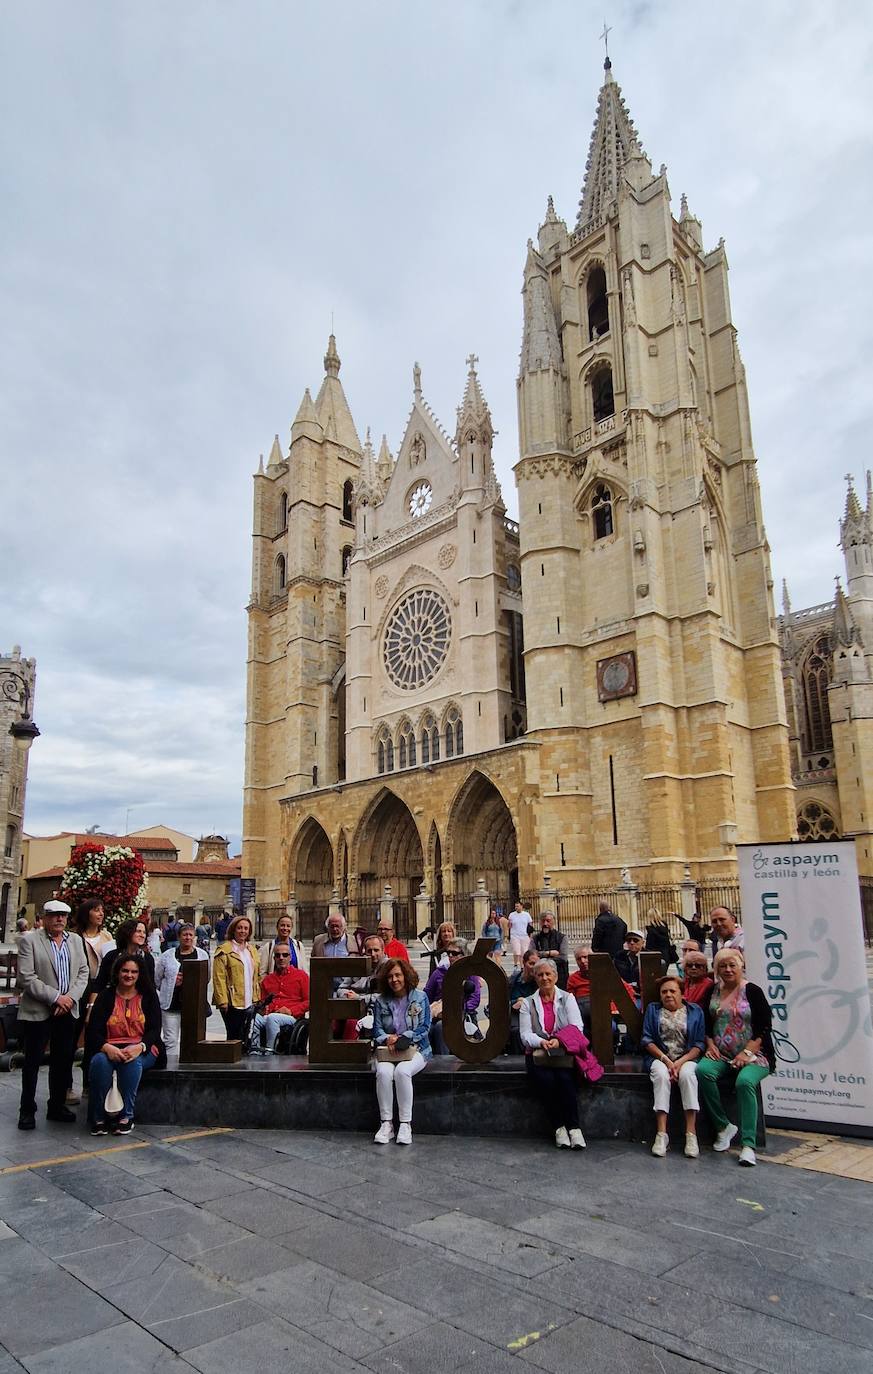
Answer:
(13, 687)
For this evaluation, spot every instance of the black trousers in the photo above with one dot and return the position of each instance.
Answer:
(61, 1034)
(235, 1022)
(556, 1089)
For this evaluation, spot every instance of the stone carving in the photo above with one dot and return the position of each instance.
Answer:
(446, 555)
(554, 466)
(417, 451)
(381, 587)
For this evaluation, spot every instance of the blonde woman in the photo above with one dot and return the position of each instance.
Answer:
(236, 979)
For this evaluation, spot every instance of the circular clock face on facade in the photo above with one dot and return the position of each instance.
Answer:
(616, 676)
(417, 639)
(420, 499)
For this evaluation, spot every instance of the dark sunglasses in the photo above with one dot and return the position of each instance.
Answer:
(454, 954)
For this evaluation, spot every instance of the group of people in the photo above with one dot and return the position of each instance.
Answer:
(706, 1025)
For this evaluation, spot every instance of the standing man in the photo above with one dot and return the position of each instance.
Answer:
(519, 933)
(551, 943)
(335, 943)
(610, 932)
(52, 976)
(726, 933)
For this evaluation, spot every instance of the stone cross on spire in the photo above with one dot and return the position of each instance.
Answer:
(472, 360)
(607, 30)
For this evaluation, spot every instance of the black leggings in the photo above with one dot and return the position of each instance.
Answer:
(556, 1089)
(235, 1022)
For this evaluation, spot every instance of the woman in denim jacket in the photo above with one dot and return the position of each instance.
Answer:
(400, 1010)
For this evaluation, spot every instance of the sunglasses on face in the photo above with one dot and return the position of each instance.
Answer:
(454, 953)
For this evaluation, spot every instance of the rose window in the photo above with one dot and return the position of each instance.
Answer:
(420, 499)
(417, 639)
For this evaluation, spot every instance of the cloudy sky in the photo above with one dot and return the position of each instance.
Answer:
(192, 191)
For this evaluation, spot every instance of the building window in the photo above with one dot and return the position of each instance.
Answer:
(425, 746)
(602, 399)
(816, 679)
(601, 511)
(454, 733)
(815, 822)
(513, 577)
(279, 575)
(186, 889)
(283, 513)
(417, 639)
(346, 558)
(10, 841)
(380, 756)
(385, 752)
(348, 491)
(598, 307)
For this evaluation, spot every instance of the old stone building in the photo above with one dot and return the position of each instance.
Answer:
(828, 674)
(440, 697)
(17, 732)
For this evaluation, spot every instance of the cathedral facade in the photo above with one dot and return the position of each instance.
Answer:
(442, 700)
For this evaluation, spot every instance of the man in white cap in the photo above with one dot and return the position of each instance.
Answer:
(52, 976)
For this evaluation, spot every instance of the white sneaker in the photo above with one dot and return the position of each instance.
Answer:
(692, 1149)
(577, 1139)
(661, 1145)
(723, 1139)
(562, 1139)
(404, 1133)
(747, 1157)
(385, 1134)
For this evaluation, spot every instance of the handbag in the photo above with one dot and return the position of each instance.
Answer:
(113, 1102)
(544, 1060)
(386, 1056)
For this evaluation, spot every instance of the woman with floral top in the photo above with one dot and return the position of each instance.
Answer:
(401, 1021)
(739, 1043)
(673, 1041)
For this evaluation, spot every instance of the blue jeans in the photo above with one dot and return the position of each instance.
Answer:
(271, 1024)
(100, 1074)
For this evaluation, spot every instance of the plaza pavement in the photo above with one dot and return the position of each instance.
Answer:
(253, 1250)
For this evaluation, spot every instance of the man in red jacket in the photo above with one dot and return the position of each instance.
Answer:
(394, 948)
(286, 995)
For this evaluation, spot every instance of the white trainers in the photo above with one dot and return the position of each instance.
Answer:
(747, 1157)
(562, 1139)
(577, 1139)
(404, 1133)
(723, 1139)
(692, 1149)
(385, 1134)
(661, 1145)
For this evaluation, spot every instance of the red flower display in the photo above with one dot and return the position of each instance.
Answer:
(112, 873)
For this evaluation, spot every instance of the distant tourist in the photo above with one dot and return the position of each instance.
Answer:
(627, 963)
(552, 943)
(519, 933)
(394, 948)
(130, 938)
(203, 934)
(658, 939)
(492, 930)
(739, 1045)
(609, 932)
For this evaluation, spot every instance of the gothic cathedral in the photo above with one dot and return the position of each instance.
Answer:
(443, 701)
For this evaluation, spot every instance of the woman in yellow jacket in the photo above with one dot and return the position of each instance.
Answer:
(236, 981)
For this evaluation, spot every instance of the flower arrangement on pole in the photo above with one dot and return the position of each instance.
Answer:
(112, 873)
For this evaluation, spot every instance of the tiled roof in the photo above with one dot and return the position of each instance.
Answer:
(220, 869)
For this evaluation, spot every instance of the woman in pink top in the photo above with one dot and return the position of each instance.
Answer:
(539, 1019)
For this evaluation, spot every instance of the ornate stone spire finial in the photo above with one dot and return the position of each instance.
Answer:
(551, 217)
(261, 466)
(471, 361)
(332, 362)
(786, 599)
(683, 206)
(416, 381)
(610, 147)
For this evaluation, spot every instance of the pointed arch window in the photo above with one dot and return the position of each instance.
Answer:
(282, 524)
(10, 841)
(385, 751)
(602, 515)
(279, 575)
(598, 305)
(816, 680)
(815, 822)
(435, 745)
(602, 396)
(346, 558)
(406, 751)
(348, 492)
(454, 733)
(428, 734)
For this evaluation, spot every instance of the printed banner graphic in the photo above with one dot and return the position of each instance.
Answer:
(805, 947)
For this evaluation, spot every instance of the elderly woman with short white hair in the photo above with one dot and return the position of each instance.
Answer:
(551, 1071)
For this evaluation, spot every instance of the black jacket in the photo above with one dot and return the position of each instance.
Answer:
(95, 1035)
(627, 966)
(609, 934)
(762, 1021)
(658, 940)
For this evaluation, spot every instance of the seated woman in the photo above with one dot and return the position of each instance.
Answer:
(434, 993)
(673, 1040)
(124, 1037)
(401, 1021)
(130, 938)
(547, 1011)
(739, 1044)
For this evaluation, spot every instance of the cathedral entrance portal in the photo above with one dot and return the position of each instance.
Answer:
(481, 843)
(388, 850)
(311, 877)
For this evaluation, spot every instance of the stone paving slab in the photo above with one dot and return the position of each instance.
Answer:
(248, 1250)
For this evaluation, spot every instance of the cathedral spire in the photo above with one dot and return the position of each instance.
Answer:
(473, 409)
(613, 142)
(332, 406)
(845, 629)
(306, 421)
(384, 463)
(786, 599)
(276, 456)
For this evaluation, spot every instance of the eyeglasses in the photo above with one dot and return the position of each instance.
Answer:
(280, 958)
(454, 953)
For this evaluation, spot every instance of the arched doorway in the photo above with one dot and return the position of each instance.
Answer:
(481, 843)
(388, 850)
(311, 876)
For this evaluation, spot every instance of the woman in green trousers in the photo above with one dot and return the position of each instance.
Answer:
(738, 1043)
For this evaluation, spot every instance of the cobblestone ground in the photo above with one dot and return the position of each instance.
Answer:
(259, 1250)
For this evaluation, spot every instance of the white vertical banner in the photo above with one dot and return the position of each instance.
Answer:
(801, 913)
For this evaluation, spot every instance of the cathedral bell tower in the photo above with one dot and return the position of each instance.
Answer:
(303, 537)
(651, 653)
